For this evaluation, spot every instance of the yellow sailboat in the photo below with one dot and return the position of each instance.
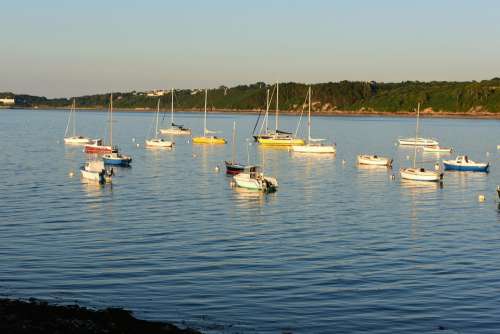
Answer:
(207, 138)
(279, 138)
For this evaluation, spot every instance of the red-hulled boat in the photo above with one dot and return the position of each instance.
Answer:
(96, 146)
(234, 168)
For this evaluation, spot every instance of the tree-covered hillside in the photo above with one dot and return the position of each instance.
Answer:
(343, 96)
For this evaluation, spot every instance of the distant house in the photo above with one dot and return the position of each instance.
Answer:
(7, 101)
(157, 92)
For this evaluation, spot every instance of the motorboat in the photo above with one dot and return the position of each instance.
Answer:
(96, 171)
(463, 163)
(117, 159)
(253, 178)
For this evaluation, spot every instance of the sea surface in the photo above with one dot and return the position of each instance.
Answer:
(338, 248)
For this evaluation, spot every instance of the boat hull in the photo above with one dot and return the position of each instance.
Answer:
(374, 160)
(159, 143)
(438, 149)
(281, 141)
(117, 161)
(416, 174)
(175, 132)
(93, 176)
(317, 149)
(478, 167)
(234, 168)
(99, 149)
(209, 140)
(77, 140)
(418, 142)
(266, 184)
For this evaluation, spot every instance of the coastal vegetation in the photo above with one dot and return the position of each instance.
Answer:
(343, 96)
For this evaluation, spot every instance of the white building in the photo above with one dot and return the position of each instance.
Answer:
(157, 92)
(7, 100)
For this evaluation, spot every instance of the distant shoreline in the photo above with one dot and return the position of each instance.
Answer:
(337, 113)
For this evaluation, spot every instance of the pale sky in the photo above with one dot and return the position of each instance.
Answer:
(66, 48)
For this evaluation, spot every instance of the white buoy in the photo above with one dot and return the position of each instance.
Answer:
(217, 169)
(437, 166)
(187, 141)
(194, 155)
(393, 177)
(133, 140)
(137, 145)
(343, 162)
(481, 198)
(407, 157)
(71, 174)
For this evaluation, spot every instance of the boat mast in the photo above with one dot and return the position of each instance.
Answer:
(172, 108)
(416, 136)
(277, 104)
(111, 120)
(205, 120)
(309, 119)
(157, 115)
(74, 118)
(267, 111)
(234, 142)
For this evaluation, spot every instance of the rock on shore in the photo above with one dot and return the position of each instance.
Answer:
(38, 317)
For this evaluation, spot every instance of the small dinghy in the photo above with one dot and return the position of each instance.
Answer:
(253, 178)
(364, 159)
(463, 163)
(95, 171)
(437, 149)
(116, 159)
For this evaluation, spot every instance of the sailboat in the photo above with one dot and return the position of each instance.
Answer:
(74, 139)
(175, 129)
(207, 138)
(419, 174)
(418, 141)
(278, 137)
(114, 157)
(233, 167)
(314, 145)
(157, 142)
(97, 145)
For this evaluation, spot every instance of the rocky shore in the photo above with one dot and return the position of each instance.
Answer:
(38, 317)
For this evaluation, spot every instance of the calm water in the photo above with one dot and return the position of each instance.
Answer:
(337, 249)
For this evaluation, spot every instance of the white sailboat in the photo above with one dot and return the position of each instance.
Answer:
(314, 145)
(417, 141)
(74, 139)
(158, 142)
(175, 129)
(419, 174)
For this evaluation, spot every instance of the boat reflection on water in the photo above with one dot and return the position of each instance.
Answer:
(247, 198)
(309, 156)
(420, 186)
